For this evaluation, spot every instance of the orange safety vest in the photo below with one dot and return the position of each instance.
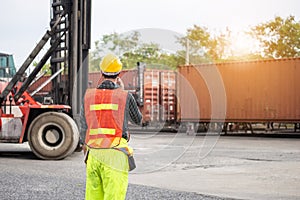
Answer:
(104, 113)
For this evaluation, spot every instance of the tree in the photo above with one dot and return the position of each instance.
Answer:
(120, 43)
(146, 53)
(204, 46)
(278, 38)
(131, 50)
(115, 43)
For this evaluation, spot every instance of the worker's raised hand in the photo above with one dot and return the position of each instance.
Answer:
(120, 82)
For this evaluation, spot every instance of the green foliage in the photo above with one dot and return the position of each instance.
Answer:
(120, 43)
(45, 68)
(131, 50)
(117, 43)
(278, 38)
(204, 46)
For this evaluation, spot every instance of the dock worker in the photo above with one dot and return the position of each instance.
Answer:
(104, 129)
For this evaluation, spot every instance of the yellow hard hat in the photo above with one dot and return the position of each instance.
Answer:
(110, 65)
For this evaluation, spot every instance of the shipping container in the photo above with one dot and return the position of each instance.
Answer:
(159, 97)
(254, 91)
(128, 76)
(93, 79)
(159, 93)
(7, 66)
(45, 90)
(168, 99)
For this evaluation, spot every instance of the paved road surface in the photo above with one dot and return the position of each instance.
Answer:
(179, 167)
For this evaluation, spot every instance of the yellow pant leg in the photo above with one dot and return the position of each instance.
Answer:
(107, 175)
(94, 187)
(115, 183)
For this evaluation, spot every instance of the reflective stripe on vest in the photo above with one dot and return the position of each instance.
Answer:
(104, 107)
(108, 131)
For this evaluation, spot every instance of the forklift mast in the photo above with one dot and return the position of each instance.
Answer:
(46, 127)
(71, 55)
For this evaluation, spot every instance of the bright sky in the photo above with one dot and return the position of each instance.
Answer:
(23, 24)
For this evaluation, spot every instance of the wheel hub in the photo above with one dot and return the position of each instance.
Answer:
(52, 136)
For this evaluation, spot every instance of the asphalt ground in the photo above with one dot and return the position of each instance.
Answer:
(25, 177)
(169, 166)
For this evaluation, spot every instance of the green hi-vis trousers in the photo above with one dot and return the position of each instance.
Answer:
(106, 175)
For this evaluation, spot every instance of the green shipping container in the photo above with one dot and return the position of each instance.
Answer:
(7, 66)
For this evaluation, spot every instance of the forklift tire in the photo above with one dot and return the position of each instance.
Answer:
(53, 136)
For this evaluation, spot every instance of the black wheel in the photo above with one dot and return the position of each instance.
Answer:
(53, 135)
